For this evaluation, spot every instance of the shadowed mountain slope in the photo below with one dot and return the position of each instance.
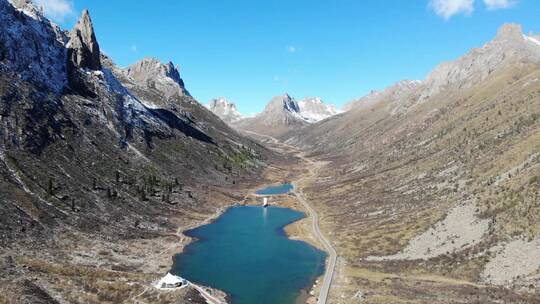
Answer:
(91, 153)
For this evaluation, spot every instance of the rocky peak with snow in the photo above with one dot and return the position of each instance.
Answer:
(282, 103)
(224, 109)
(313, 109)
(28, 7)
(282, 114)
(153, 74)
(83, 48)
(31, 46)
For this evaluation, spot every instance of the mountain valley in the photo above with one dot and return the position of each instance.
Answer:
(428, 191)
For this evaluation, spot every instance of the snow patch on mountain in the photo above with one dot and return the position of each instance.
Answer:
(31, 46)
(533, 39)
(224, 109)
(313, 109)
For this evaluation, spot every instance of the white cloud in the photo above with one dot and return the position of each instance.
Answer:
(133, 48)
(57, 10)
(449, 8)
(291, 49)
(497, 4)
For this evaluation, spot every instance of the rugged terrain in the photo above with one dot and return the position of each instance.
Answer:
(283, 114)
(429, 190)
(280, 115)
(431, 194)
(101, 167)
(225, 110)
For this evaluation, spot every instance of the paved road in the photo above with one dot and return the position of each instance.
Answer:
(332, 254)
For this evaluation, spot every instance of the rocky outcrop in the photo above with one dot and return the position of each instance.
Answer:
(224, 109)
(83, 54)
(150, 73)
(26, 37)
(509, 46)
(83, 48)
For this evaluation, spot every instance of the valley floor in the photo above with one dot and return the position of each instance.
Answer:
(439, 255)
(91, 270)
(83, 268)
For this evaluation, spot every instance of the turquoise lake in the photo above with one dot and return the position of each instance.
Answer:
(246, 253)
(275, 190)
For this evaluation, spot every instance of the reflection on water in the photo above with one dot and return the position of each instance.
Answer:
(265, 214)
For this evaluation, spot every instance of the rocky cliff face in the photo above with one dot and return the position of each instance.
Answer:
(83, 48)
(83, 56)
(225, 110)
(151, 74)
(32, 49)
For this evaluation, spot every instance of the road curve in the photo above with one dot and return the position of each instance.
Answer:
(332, 254)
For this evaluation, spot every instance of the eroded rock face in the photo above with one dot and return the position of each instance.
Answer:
(27, 38)
(509, 46)
(150, 73)
(224, 109)
(83, 48)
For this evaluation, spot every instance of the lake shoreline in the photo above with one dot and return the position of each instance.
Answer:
(286, 201)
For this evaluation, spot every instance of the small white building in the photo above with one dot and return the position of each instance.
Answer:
(171, 281)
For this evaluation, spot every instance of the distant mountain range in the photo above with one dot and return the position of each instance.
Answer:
(280, 115)
(225, 110)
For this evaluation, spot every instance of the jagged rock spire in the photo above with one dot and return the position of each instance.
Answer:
(83, 48)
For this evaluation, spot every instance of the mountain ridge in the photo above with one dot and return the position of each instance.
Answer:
(440, 181)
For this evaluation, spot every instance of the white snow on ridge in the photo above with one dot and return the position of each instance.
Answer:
(533, 40)
(313, 109)
(33, 46)
(224, 109)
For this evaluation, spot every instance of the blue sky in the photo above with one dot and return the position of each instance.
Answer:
(249, 51)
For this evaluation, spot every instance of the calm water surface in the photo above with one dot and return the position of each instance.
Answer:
(274, 190)
(246, 253)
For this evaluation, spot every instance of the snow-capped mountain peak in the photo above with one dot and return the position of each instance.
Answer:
(313, 109)
(224, 109)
